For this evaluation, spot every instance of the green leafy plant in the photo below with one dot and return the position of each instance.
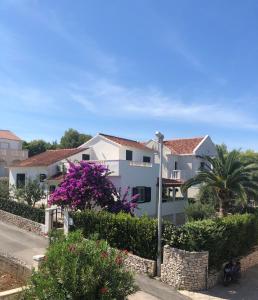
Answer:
(23, 210)
(224, 238)
(198, 211)
(138, 235)
(78, 269)
(31, 193)
(4, 189)
(228, 178)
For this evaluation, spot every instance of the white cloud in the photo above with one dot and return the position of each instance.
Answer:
(103, 97)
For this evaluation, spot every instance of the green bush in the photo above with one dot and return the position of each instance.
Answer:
(4, 189)
(199, 211)
(76, 269)
(122, 231)
(23, 210)
(224, 238)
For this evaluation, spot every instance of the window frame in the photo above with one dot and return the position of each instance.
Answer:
(85, 154)
(44, 176)
(144, 191)
(148, 158)
(18, 185)
(127, 152)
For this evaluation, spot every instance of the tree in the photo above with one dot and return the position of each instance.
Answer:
(73, 139)
(38, 146)
(31, 193)
(77, 268)
(87, 186)
(228, 178)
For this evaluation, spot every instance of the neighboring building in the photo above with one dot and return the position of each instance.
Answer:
(10, 151)
(132, 164)
(48, 167)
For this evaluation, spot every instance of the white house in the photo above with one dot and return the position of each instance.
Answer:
(132, 164)
(10, 151)
(48, 167)
(182, 159)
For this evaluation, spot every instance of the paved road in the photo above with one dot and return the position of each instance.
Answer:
(246, 289)
(20, 243)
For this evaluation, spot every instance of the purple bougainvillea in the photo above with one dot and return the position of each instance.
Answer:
(87, 186)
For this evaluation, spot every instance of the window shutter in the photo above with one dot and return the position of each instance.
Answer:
(147, 194)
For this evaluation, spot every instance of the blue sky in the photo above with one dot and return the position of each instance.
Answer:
(129, 68)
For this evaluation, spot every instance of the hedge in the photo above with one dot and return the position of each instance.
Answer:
(138, 235)
(23, 210)
(224, 238)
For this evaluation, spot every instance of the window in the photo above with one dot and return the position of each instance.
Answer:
(52, 188)
(129, 155)
(85, 157)
(42, 177)
(176, 166)
(144, 193)
(202, 165)
(146, 159)
(20, 180)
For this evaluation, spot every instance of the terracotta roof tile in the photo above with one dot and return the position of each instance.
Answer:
(183, 146)
(7, 134)
(48, 157)
(126, 142)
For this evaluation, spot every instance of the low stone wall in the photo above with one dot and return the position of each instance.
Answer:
(18, 269)
(185, 270)
(140, 265)
(14, 266)
(21, 222)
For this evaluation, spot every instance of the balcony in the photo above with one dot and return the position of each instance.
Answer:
(116, 166)
(12, 154)
(182, 175)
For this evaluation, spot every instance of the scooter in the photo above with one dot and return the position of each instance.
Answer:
(232, 272)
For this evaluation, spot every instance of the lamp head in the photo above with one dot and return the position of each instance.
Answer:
(159, 136)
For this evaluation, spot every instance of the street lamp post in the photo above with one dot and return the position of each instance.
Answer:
(160, 138)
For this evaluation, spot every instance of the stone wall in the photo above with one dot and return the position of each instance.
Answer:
(14, 266)
(140, 265)
(21, 222)
(185, 270)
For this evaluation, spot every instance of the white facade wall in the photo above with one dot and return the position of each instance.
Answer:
(102, 149)
(10, 144)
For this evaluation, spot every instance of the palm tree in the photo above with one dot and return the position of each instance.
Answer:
(227, 177)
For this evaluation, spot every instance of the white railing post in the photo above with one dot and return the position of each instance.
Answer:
(66, 221)
(48, 220)
(37, 261)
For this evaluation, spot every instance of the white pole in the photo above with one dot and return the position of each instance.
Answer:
(160, 137)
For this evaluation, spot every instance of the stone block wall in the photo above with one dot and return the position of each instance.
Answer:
(185, 270)
(14, 266)
(21, 222)
(140, 265)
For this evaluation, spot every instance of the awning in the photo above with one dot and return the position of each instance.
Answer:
(168, 182)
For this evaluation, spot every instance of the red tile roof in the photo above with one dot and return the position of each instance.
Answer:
(168, 182)
(48, 157)
(7, 134)
(126, 142)
(183, 146)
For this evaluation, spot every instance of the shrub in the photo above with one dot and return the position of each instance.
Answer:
(76, 268)
(4, 189)
(138, 235)
(23, 210)
(198, 211)
(224, 238)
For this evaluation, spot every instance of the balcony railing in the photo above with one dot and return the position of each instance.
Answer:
(182, 174)
(115, 165)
